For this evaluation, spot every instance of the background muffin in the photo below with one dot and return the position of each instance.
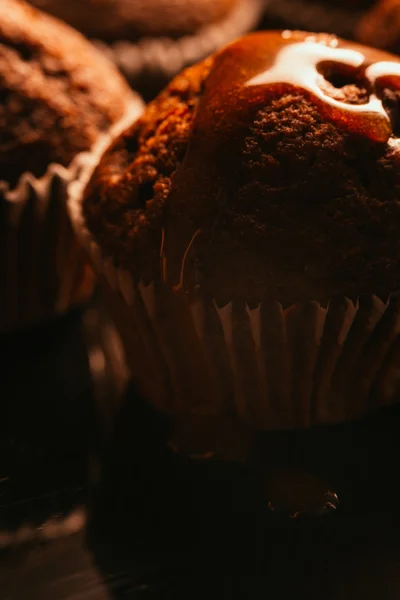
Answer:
(380, 25)
(266, 179)
(152, 41)
(339, 17)
(112, 20)
(58, 95)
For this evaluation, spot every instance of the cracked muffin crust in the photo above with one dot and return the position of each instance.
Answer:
(282, 190)
(127, 195)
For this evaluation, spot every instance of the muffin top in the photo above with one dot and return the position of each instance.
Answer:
(271, 171)
(118, 19)
(57, 93)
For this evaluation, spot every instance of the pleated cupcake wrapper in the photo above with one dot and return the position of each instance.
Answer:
(162, 58)
(42, 268)
(273, 367)
(314, 15)
(170, 362)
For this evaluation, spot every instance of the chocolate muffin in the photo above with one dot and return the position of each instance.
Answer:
(245, 230)
(152, 40)
(57, 93)
(380, 25)
(58, 97)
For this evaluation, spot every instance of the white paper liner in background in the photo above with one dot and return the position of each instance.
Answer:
(163, 58)
(43, 270)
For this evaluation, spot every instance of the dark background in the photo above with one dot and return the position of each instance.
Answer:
(157, 526)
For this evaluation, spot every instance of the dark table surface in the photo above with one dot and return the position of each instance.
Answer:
(67, 569)
(86, 513)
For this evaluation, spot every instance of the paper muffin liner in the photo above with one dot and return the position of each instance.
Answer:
(273, 367)
(269, 367)
(154, 61)
(313, 15)
(43, 269)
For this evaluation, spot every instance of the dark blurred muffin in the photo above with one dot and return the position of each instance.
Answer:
(58, 97)
(152, 40)
(112, 20)
(245, 229)
(372, 22)
(57, 93)
(339, 17)
(380, 26)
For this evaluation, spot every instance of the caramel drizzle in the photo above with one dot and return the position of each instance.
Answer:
(253, 64)
(297, 64)
(179, 286)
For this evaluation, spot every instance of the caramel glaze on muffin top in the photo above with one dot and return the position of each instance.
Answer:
(118, 19)
(57, 93)
(271, 171)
